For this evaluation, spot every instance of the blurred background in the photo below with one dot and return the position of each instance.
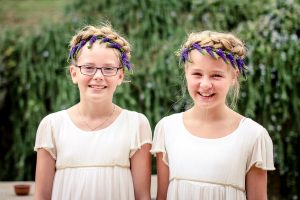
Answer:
(34, 38)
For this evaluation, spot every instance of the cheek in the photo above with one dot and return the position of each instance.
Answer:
(224, 87)
(192, 82)
(82, 82)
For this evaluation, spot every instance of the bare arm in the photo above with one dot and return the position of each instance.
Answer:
(162, 177)
(44, 175)
(141, 172)
(256, 184)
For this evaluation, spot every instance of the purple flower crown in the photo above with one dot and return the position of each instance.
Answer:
(124, 59)
(235, 61)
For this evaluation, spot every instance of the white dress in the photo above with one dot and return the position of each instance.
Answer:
(211, 169)
(96, 164)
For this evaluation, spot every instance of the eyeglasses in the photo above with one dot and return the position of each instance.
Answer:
(91, 71)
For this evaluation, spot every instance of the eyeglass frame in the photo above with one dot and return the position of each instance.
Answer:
(98, 68)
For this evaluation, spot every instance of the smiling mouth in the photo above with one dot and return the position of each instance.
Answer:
(206, 95)
(99, 87)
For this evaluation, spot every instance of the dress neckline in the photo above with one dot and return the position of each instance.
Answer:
(95, 131)
(187, 132)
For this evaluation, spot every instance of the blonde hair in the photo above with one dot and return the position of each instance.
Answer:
(217, 40)
(105, 31)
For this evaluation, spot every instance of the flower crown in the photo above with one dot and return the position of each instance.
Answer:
(124, 59)
(234, 60)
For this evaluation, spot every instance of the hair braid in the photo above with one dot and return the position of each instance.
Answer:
(105, 31)
(217, 40)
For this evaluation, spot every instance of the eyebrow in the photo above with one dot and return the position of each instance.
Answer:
(214, 71)
(219, 72)
(104, 64)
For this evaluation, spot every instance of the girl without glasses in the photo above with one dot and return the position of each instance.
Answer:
(95, 149)
(210, 151)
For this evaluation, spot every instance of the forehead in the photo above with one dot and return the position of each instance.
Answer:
(206, 62)
(98, 53)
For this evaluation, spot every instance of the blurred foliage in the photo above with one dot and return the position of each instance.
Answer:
(32, 73)
(29, 13)
(34, 82)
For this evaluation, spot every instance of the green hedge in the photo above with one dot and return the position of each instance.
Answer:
(34, 82)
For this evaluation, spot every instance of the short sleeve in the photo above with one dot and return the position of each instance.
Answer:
(158, 145)
(262, 153)
(45, 138)
(142, 135)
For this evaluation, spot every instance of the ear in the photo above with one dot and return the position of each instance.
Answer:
(73, 73)
(121, 76)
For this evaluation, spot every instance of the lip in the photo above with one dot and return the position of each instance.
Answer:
(97, 87)
(206, 96)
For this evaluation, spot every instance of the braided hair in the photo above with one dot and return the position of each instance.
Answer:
(106, 34)
(217, 40)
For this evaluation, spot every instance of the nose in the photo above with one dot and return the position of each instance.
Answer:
(205, 83)
(98, 74)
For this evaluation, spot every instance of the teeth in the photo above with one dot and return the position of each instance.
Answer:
(97, 87)
(205, 95)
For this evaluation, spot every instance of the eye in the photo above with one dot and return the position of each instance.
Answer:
(196, 74)
(217, 75)
(87, 67)
(108, 68)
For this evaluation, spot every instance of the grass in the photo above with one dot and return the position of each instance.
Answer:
(29, 14)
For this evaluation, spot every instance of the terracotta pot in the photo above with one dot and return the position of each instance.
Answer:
(22, 189)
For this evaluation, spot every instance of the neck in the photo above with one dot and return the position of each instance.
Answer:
(92, 110)
(214, 114)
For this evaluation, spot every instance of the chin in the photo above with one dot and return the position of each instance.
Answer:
(98, 96)
(205, 103)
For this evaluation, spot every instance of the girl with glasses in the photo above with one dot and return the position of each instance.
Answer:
(210, 151)
(95, 149)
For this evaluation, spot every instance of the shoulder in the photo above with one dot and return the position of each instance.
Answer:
(169, 121)
(134, 114)
(54, 117)
(252, 125)
(51, 123)
(176, 117)
(137, 118)
(253, 129)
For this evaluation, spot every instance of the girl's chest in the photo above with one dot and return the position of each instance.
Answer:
(105, 146)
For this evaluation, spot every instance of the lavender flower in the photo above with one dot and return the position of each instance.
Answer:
(184, 55)
(241, 66)
(75, 49)
(235, 62)
(82, 43)
(72, 52)
(231, 59)
(198, 47)
(115, 45)
(125, 61)
(222, 55)
(210, 52)
(106, 40)
(92, 41)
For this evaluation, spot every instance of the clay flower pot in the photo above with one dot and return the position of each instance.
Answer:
(22, 189)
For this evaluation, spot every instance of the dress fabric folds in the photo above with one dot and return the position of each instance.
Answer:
(93, 164)
(210, 169)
